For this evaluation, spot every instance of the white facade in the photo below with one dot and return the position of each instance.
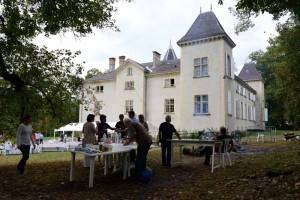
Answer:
(199, 90)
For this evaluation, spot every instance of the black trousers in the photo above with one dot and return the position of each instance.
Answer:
(166, 153)
(25, 155)
(141, 157)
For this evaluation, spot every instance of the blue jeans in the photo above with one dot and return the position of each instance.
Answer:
(166, 153)
(141, 157)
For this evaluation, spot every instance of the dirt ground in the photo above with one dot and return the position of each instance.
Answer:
(266, 171)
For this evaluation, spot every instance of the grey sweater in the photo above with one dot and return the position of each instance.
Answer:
(24, 133)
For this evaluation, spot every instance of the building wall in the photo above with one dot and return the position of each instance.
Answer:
(137, 94)
(156, 95)
(106, 97)
(211, 86)
(242, 119)
(260, 102)
(228, 88)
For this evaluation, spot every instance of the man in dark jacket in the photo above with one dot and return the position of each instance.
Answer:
(166, 131)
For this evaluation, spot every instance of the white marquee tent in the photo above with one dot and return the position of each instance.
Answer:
(75, 127)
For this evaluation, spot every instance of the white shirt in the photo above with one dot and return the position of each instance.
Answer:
(24, 134)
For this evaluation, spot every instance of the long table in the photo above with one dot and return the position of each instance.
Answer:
(198, 142)
(117, 149)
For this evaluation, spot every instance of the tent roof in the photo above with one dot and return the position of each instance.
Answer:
(77, 127)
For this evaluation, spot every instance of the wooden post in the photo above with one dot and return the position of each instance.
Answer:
(72, 171)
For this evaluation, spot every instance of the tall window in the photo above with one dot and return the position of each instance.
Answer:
(237, 109)
(201, 104)
(249, 113)
(170, 82)
(169, 106)
(228, 65)
(242, 110)
(200, 67)
(128, 105)
(246, 110)
(129, 71)
(229, 103)
(99, 88)
(129, 85)
(237, 88)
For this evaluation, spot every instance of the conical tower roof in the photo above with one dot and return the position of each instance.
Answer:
(170, 54)
(205, 26)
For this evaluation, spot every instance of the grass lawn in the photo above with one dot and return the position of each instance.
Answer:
(274, 174)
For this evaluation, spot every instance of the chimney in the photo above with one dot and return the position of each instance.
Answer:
(121, 60)
(156, 59)
(112, 64)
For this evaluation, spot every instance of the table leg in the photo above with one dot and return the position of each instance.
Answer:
(213, 159)
(105, 157)
(172, 153)
(92, 169)
(125, 165)
(180, 152)
(72, 171)
(115, 162)
(129, 164)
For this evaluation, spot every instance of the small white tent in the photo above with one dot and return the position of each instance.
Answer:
(75, 127)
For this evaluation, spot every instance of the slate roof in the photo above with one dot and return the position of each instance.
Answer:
(245, 84)
(107, 76)
(250, 73)
(205, 26)
(164, 67)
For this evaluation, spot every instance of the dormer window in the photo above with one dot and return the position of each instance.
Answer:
(129, 71)
(170, 82)
(200, 67)
(99, 88)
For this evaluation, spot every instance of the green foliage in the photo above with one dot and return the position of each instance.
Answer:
(281, 72)
(245, 9)
(92, 72)
(46, 84)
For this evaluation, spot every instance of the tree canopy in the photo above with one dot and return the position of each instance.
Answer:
(34, 79)
(245, 9)
(92, 72)
(280, 69)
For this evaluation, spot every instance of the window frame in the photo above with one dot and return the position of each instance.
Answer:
(129, 85)
(129, 71)
(168, 82)
(169, 105)
(200, 104)
(199, 66)
(99, 89)
(128, 105)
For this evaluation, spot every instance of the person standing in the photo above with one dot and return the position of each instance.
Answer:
(143, 122)
(136, 132)
(208, 150)
(131, 115)
(24, 138)
(89, 133)
(120, 126)
(166, 130)
(102, 127)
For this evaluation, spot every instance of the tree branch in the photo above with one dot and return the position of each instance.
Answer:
(46, 96)
(13, 78)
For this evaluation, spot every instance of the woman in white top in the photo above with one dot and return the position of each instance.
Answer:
(23, 141)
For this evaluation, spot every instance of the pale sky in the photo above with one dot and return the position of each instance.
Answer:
(150, 25)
